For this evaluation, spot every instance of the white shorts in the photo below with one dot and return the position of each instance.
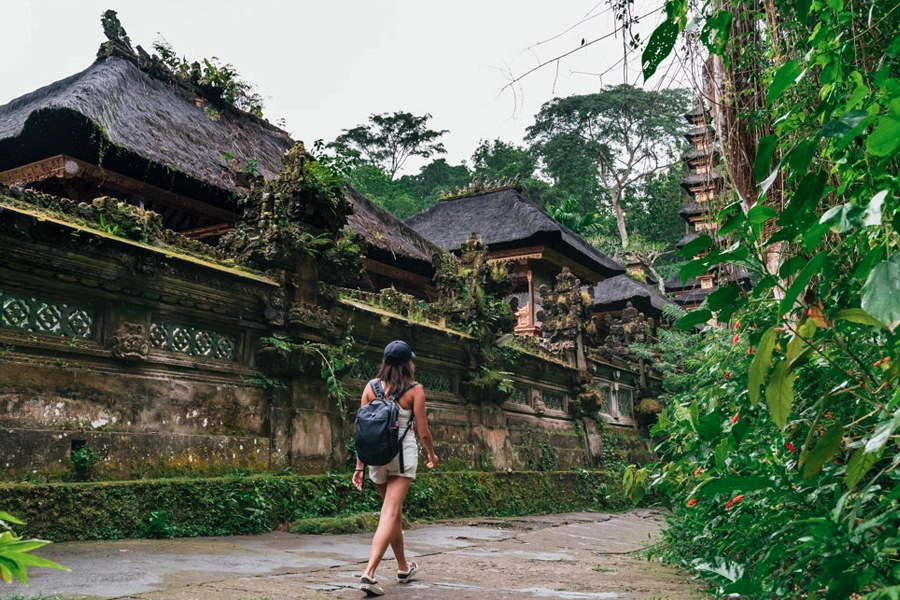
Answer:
(410, 452)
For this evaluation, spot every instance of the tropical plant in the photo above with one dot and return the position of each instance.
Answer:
(782, 462)
(15, 553)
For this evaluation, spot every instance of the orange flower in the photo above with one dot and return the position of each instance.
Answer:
(728, 505)
(737, 499)
(737, 324)
(789, 446)
(727, 374)
(697, 472)
(734, 419)
(736, 339)
(692, 502)
(750, 350)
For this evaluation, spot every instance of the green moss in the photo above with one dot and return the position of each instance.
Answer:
(241, 505)
(124, 222)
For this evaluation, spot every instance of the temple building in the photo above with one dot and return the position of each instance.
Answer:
(704, 184)
(516, 230)
(185, 290)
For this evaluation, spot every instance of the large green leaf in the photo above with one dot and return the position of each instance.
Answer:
(842, 217)
(859, 465)
(857, 315)
(732, 484)
(731, 223)
(888, 593)
(828, 445)
(764, 151)
(722, 297)
(9, 518)
(709, 427)
(780, 394)
(800, 157)
(844, 124)
(698, 266)
(761, 213)
(722, 449)
(885, 139)
(722, 567)
(696, 246)
(882, 434)
(693, 318)
(872, 215)
(801, 281)
(659, 47)
(801, 205)
(881, 292)
(786, 76)
(714, 34)
(802, 7)
(760, 365)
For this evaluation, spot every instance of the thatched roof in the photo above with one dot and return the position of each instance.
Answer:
(695, 179)
(687, 239)
(117, 116)
(156, 130)
(700, 153)
(699, 132)
(614, 293)
(697, 111)
(388, 238)
(506, 220)
(693, 209)
(694, 297)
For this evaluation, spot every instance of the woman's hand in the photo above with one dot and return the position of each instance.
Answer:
(432, 460)
(358, 479)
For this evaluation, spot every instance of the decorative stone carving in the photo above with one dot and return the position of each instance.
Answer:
(631, 327)
(130, 343)
(312, 317)
(538, 404)
(566, 315)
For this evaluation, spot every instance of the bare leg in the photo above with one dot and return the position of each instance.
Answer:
(390, 524)
(397, 538)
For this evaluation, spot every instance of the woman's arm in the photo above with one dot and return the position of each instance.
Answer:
(422, 429)
(367, 396)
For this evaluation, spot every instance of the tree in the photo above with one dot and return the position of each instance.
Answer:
(600, 145)
(393, 196)
(652, 206)
(436, 179)
(389, 139)
(498, 159)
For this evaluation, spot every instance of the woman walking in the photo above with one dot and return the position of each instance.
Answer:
(397, 373)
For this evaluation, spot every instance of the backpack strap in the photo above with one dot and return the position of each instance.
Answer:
(377, 389)
(406, 388)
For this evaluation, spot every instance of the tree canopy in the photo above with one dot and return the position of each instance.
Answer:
(389, 139)
(601, 145)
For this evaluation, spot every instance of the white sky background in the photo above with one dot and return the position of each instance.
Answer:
(325, 66)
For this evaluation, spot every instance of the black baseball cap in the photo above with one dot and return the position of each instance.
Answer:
(398, 352)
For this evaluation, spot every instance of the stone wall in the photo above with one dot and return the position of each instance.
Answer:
(122, 360)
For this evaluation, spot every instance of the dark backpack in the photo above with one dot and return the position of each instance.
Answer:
(378, 437)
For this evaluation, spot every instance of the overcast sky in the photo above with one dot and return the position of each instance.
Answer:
(323, 66)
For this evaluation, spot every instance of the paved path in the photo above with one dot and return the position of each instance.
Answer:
(570, 557)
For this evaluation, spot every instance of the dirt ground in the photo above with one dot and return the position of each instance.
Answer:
(568, 556)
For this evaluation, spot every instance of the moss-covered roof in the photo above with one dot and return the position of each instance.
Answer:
(504, 220)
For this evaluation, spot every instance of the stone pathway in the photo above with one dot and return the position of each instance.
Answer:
(590, 556)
